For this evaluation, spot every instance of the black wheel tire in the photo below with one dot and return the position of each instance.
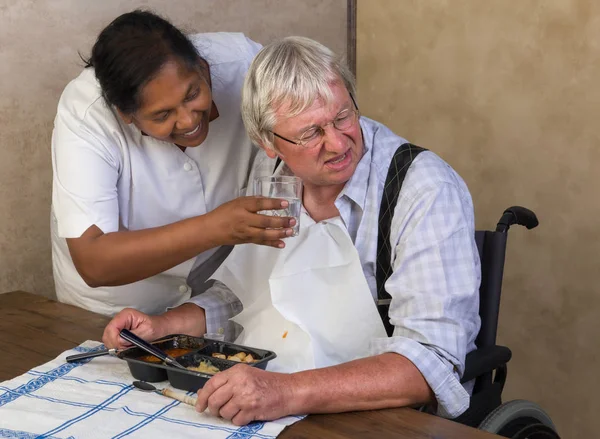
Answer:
(512, 417)
(535, 431)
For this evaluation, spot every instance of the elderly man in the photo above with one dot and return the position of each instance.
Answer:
(382, 222)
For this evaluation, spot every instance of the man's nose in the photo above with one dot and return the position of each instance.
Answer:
(334, 139)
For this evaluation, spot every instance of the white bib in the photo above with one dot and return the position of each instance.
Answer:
(309, 302)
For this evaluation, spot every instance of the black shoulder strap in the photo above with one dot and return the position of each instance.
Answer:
(399, 165)
(277, 162)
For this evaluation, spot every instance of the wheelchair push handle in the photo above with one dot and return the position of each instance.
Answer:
(517, 215)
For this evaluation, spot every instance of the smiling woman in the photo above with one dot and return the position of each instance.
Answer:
(167, 94)
(175, 106)
(140, 216)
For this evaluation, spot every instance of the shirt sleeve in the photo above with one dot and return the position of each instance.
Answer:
(86, 171)
(220, 305)
(435, 290)
(254, 47)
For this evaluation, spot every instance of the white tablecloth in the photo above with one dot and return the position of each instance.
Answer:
(95, 399)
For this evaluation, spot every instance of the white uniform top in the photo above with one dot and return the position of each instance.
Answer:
(108, 174)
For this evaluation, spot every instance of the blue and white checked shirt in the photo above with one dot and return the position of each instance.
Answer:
(436, 268)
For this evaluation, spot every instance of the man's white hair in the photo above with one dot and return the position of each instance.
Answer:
(294, 71)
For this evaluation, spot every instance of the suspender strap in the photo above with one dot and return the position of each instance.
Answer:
(401, 161)
(277, 162)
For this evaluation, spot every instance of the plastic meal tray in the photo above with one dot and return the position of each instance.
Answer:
(201, 349)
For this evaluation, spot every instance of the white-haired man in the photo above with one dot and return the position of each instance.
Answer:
(381, 219)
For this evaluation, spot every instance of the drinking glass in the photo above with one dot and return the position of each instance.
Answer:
(284, 187)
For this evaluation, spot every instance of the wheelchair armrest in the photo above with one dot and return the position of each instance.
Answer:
(485, 360)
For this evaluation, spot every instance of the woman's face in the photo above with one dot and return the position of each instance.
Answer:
(175, 106)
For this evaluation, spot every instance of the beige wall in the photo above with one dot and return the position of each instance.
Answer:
(38, 56)
(507, 91)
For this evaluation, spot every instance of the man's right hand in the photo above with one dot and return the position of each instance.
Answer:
(147, 327)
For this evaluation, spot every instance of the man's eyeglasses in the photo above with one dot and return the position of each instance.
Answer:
(313, 136)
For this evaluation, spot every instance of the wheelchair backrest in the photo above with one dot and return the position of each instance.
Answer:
(492, 250)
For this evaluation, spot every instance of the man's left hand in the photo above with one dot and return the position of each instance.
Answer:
(244, 394)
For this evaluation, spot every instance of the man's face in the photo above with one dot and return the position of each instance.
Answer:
(175, 106)
(334, 158)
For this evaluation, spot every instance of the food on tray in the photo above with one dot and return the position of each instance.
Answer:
(204, 367)
(240, 357)
(173, 352)
(237, 357)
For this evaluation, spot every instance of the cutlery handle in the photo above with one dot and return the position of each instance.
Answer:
(77, 357)
(179, 396)
(143, 344)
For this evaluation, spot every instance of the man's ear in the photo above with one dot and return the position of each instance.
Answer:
(271, 153)
(127, 118)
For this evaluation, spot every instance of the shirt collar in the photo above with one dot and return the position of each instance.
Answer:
(356, 188)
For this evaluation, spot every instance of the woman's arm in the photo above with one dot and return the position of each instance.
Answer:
(119, 258)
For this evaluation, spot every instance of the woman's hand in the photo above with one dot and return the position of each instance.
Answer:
(237, 222)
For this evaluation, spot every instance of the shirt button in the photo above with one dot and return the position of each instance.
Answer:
(183, 289)
(187, 166)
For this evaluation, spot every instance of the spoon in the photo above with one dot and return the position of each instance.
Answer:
(147, 387)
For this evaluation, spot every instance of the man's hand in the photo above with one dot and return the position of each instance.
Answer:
(244, 394)
(147, 327)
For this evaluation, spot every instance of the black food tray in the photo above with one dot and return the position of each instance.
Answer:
(201, 350)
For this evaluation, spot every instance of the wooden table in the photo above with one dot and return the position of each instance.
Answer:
(34, 330)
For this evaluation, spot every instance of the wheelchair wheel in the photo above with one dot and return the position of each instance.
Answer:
(520, 419)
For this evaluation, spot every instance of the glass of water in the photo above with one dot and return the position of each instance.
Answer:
(285, 187)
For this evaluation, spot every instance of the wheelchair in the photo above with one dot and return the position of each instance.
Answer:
(518, 419)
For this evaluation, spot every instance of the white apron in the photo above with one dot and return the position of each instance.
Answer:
(309, 302)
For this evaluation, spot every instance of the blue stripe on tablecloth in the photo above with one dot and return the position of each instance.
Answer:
(58, 401)
(79, 380)
(247, 431)
(36, 373)
(147, 420)
(4, 432)
(198, 425)
(87, 414)
(48, 377)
